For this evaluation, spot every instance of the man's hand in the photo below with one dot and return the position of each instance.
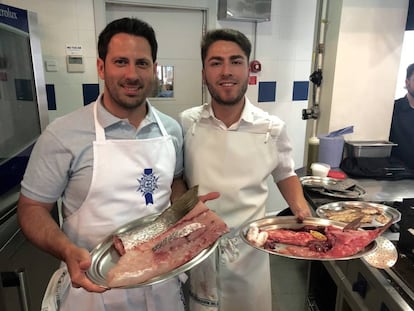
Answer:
(78, 261)
(302, 213)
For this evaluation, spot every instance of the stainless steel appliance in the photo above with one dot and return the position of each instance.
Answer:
(24, 269)
(23, 101)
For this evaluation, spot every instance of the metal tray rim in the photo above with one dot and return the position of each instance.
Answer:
(357, 193)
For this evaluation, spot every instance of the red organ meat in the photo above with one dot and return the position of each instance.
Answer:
(196, 231)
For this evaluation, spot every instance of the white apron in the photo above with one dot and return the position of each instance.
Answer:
(131, 179)
(237, 165)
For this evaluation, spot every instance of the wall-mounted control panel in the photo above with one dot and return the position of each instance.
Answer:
(75, 63)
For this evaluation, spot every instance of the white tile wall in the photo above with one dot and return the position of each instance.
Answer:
(406, 59)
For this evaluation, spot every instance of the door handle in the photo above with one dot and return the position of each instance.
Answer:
(17, 279)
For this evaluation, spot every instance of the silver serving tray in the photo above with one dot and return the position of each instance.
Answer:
(105, 256)
(322, 185)
(290, 222)
(394, 214)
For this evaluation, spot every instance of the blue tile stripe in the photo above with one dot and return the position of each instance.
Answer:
(300, 90)
(90, 93)
(51, 96)
(267, 91)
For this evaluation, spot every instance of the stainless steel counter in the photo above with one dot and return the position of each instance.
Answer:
(387, 190)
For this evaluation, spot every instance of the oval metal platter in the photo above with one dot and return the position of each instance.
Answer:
(290, 222)
(387, 211)
(325, 185)
(105, 256)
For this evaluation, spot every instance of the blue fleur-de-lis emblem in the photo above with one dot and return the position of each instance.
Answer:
(147, 185)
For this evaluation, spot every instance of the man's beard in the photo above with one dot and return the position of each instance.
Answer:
(126, 104)
(221, 101)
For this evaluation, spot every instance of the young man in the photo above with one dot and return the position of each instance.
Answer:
(402, 128)
(110, 162)
(232, 147)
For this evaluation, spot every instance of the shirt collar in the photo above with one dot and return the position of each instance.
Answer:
(246, 116)
(107, 119)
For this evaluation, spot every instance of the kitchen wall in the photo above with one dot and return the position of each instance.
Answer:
(406, 59)
(363, 50)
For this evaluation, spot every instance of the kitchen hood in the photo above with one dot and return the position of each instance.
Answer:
(244, 10)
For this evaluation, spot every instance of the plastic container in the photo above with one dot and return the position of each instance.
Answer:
(313, 150)
(368, 149)
(320, 169)
(330, 150)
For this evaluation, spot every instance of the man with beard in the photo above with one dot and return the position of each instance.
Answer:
(110, 162)
(402, 128)
(232, 147)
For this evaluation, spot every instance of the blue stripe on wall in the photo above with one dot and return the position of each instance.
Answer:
(267, 91)
(90, 93)
(300, 90)
(51, 96)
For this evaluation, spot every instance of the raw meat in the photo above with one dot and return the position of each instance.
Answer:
(343, 244)
(319, 242)
(287, 236)
(196, 231)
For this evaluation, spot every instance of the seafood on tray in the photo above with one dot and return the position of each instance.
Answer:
(352, 212)
(313, 241)
(373, 214)
(173, 239)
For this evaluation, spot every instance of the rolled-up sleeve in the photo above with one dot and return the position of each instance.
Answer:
(286, 166)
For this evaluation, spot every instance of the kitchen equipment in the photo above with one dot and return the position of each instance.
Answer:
(385, 256)
(104, 257)
(331, 146)
(24, 269)
(368, 149)
(23, 101)
(406, 240)
(330, 150)
(290, 222)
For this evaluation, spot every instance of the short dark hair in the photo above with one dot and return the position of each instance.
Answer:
(410, 71)
(225, 34)
(132, 26)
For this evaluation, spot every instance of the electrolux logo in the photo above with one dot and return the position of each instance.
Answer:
(14, 17)
(7, 13)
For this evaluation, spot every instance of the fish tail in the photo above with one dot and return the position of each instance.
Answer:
(180, 207)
